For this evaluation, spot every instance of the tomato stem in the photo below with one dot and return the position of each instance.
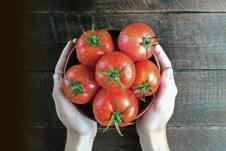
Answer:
(75, 87)
(148, 42)
(114, 75)
(143, 88)
(117, 118)
(93, 40)
(109, 124)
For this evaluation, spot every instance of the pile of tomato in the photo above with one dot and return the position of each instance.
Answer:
(113, 81)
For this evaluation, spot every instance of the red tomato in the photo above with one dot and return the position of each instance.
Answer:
(138, 41)
(115, 109)
(147, 79)
(115, 72)
(92, 45)
(79, 84)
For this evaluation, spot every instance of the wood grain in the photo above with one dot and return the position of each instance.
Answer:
(110, 6)
(180, 139)
(188, 39)
(193, 34)
(201, 99)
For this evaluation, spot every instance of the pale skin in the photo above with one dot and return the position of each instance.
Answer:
(81, 131)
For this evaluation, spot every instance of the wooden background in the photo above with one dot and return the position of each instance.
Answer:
(193, 34)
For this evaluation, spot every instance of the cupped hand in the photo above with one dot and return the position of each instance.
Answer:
(74, 121)
(155, 119)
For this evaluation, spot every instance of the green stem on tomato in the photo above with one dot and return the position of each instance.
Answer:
(117, 118)
(93, 40)
(75, 87)
(143, 88)
(113, 75)
(148, 42)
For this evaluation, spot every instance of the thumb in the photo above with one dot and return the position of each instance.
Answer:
(167, 74)
(167, 82)
(167, 90)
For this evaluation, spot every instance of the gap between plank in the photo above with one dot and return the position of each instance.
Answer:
(168, 127)
(175, 70)
(116, 12)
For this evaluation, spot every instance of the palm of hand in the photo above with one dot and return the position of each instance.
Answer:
(70, 115)
(162, 108)
(159, 114)
(67, 112)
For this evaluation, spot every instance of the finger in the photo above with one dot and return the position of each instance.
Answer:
(167, 91)
(63, 57)
(74, 40)
(162, 57)
(57, 88)
(66, 109)
(57, 79)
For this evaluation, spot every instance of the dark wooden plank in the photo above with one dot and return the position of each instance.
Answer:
(125, 5)
(44, 57)
(43, 139)
(201, 99)
(197, 139)
(187, 38)
(180, 139)
(183, 28)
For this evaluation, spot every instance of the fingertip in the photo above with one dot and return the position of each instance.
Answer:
(74, 40)
(162, 57)
(68, 46)
(158, 49)
(69, 42)
(63, 57)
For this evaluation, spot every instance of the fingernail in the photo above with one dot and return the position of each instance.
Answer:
(169, 73)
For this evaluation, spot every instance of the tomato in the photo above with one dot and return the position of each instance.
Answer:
(115, 72)
(79, 84)
(138, 41)
(147, 79)
(93, 44)
(115, 109)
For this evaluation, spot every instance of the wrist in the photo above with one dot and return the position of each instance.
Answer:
(77, 142)
(154, 141)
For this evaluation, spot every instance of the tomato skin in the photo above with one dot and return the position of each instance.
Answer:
(146, 71)
(104, 105)
(131, 38)
(116, 59)
(89, 55)
(86, 76)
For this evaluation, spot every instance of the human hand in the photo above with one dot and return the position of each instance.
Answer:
(80, 130)
(151, 127)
